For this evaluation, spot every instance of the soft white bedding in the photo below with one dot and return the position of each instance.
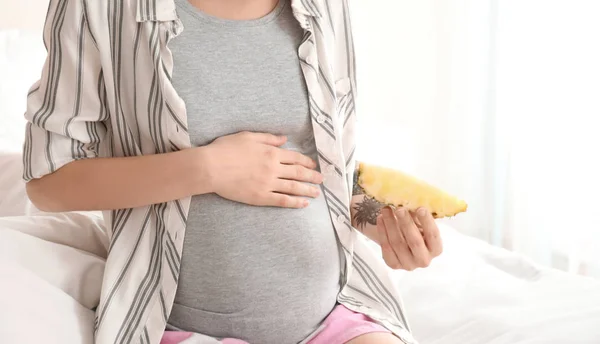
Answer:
(479, 294)
(473, 293)
(51, 269)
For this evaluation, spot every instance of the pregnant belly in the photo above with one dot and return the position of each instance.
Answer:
(254, 268)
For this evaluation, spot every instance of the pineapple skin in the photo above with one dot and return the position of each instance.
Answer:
(398, 189)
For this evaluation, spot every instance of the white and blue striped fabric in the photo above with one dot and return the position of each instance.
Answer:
(105, 91)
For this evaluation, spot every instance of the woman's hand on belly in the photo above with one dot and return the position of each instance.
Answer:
(251, 168)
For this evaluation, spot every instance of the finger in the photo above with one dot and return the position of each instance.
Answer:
(292, 187)
(294, 158)
(386, 249)
(413, 237)
(285, 201)
(431, 232)
(301, 173)
(268, 139)
(397, 240)
(416, 219)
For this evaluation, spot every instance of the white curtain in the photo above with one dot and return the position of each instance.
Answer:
(497, 102)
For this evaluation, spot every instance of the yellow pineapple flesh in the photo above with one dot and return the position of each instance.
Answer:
(392, 187)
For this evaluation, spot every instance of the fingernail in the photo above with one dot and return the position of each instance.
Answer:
(305, 203)
(316, 191)
(401, 212)
(422, 212)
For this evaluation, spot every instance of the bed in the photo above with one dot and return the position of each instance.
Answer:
(52, 266)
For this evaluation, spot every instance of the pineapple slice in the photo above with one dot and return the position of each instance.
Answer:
(398, 189)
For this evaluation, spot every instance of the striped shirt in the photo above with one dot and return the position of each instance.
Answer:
(105, 91)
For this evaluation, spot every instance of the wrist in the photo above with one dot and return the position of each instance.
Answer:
(202, 170)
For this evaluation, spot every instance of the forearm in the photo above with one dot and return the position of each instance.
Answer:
(118, 183)
(364, 212)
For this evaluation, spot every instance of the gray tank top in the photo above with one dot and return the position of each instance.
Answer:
(264, 275)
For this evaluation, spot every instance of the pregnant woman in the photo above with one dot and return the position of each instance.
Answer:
(218, 138)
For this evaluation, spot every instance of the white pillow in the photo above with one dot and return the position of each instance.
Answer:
(67, 250)
(52, 267)
(35, 312)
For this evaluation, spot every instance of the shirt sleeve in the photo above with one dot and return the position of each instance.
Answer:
(66, 110)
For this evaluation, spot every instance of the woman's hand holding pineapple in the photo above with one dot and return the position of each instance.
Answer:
(408, 240)
(407, 232)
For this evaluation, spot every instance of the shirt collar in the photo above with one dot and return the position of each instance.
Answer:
(164, 10)
(311, 8)
(155, 10)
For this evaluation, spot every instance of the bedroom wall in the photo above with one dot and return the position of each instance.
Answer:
(22, 14)
(21, 57)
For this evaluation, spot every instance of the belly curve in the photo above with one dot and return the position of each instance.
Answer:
(252, 268)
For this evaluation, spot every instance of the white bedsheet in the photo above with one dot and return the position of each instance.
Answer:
(476, 294)
(51, 268)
